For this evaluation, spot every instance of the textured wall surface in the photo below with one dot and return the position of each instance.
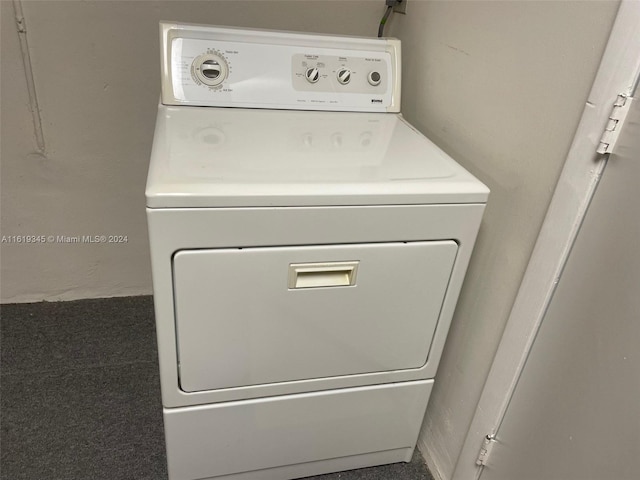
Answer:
(97, 76)
(500, 86)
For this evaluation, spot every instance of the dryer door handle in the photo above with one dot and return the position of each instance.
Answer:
(328, 274)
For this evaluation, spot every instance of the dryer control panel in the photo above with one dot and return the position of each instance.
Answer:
(232, 67)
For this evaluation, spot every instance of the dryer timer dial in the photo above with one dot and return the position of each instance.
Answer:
(210, 69)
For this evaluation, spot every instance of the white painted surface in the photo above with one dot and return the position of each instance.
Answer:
(339, 464)
(171, 230)
(617, 74)
(579, 389)
(230, 157)
(269, 69)
(238, 322)
(96, 74)
(227, 321)
(500, 86)
(309, 431)
(228, 324)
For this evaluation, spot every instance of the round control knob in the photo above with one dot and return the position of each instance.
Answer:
(211, 69)
(312, 75)
(374, 78)
(344, 76)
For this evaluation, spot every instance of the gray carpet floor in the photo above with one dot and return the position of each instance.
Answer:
(80, 395)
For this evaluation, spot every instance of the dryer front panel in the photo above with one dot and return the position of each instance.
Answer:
(252, 316)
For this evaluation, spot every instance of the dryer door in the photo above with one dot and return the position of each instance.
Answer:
(250, 316)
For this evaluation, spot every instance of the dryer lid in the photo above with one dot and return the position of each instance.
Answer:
(231, 157)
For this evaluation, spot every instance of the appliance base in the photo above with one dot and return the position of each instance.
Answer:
(321, 467)
(298, 435)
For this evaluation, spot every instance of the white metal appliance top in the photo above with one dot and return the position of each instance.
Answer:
(233, 67)
(235, 157)
(349, 151)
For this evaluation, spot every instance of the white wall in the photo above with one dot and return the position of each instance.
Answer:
(96, 69)
(500, 86)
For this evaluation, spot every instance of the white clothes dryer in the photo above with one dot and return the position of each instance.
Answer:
(308, 247)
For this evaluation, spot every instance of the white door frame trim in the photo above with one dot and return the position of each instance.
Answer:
(618, 73)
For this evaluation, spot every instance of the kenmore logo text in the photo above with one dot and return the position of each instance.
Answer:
(376, 100)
